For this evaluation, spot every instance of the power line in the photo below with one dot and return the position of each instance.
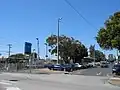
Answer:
(79, 14)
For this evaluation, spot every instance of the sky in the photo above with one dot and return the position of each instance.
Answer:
(24, 20)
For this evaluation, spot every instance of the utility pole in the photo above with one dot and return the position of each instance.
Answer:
(33, 57)
(38, 49)
(9, 51)
(58, 31)
(117, 56)
(94, 54)
(105, 56)
(46, 46)
(9, 47)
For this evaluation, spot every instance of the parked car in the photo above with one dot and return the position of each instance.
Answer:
(77, 66)
(57, 67)
(116, 69)
(90, 65)
(104, 64)
(49, 66)
(108, 62)
(97, 63)
(69, 67)
(84, 66)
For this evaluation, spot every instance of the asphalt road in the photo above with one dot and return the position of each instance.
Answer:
(1, 87)
(54, 82)
(95, 71)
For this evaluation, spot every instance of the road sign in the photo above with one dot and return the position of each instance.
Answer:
(27, 48)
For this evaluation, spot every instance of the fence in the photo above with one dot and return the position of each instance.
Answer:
(24, 66)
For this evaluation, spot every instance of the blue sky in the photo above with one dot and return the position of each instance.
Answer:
(24, 20)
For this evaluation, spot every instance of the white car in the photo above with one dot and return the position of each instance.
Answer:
(78, 66)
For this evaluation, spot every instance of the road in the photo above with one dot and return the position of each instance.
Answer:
(53, 82)
(95, 71)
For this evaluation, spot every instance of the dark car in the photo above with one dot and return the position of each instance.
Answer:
(58, 67)
(49, 66)
(116, 69)
(69, 67)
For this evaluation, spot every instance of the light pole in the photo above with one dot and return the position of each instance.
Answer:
(117, 56)
(9, 46)
(9, 51)
(94, 54)
(38, 47)
(33, 56)
(105, 56)
(59, 19)
(46, 49)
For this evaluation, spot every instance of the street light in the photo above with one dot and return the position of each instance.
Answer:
(38, 47)
(58, 31)
(46, 46)
(33, 56)
(117, 52)
(94, 54)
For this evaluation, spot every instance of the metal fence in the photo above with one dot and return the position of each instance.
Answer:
(25, 67)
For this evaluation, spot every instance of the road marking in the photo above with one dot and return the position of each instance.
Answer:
(108, 75)
(99, 73)
(5, 83)
(12, 88)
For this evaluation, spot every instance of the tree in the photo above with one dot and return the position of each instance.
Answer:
(99, 55)
(108, 36)
(69, 48)
(15, 58)
(92, 50)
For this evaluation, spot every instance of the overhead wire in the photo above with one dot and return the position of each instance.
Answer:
(80, 14)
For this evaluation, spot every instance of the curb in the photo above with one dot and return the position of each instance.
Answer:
(111, 82)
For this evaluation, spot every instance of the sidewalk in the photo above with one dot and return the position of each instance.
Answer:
(40, 71)
(115, 81)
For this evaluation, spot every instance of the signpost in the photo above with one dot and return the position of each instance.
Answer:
(27, 51)
(28, 47)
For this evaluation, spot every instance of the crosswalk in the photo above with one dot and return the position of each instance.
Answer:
(12, 88)
(8, 85)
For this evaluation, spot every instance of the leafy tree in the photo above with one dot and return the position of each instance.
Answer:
(99, 55)
(92, 50)
(19, 55)
(108, 36)
(15, 58)
(69, 48)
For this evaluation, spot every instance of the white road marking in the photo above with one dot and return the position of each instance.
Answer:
(12, 88)
(5, 83)
(98, 73)
(8, 81)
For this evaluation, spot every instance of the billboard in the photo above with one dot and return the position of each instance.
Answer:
(28, 47)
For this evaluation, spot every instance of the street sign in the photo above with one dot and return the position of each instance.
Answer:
(27, 48)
